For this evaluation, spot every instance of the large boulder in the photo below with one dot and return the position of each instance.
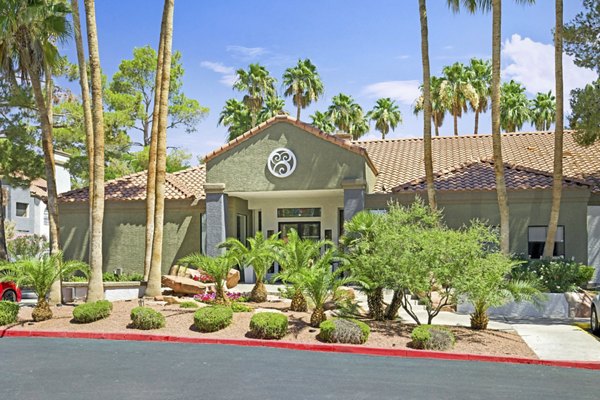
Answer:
(178, 270)
(233, 277)
(183, 285)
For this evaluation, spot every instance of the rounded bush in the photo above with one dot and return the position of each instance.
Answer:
(268, 325)
(188, 304)
(9, 312)
(240, 307)
(213, 318)
(146, 318)
(430, 337)
(90, 312)
(342, 330)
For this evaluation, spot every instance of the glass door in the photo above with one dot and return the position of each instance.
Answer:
(306, 230)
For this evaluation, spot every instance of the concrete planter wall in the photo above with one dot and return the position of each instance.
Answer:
(556, 305)
(113, 291)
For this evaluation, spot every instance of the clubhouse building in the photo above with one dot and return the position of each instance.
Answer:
(287, 174)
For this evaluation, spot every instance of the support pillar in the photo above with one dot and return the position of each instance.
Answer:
(354, 197)
(216, 217)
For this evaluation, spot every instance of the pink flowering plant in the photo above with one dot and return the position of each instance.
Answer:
(217, 268)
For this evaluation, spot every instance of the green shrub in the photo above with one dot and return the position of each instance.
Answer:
(90, 312)
(132, 277)
(555, 276)
(268, 325)
(240, 307)
(432, 337)
(213, 318)
(188, 304)
(341, 330)
(9, 312)
(146, 318)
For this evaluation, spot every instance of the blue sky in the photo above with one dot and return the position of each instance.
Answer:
(367, 49)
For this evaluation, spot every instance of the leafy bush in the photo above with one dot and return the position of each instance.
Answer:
(268, 325)
(340, 330)
(27, 246)
(556, 276)
(90, 312)
(188, 304)
(9, 312)
(240, 307)
(146, 318)
(213, 318)
(128, 277)
(431, 337)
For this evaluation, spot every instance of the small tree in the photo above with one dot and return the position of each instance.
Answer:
(217, 267)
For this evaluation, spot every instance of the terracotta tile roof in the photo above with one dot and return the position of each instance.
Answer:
(401, 160)
(479, 175)
(347, 144)
(39, 189)
(180, 185)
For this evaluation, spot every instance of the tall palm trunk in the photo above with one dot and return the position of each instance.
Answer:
(85, 97)
(455, 115)
(299, 106)
(427, 145)
(3, 249)
(154, 275)
(496, 136)
(95, 287)
(151, 178)
(558, 134)
(476, 129)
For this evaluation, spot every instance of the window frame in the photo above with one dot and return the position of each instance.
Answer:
(564, 240)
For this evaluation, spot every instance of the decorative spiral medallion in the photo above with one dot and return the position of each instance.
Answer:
(281, 162)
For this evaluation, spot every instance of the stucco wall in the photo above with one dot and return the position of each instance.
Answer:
(237, 206)
(320, 164)
(527, 208)
(124, 233)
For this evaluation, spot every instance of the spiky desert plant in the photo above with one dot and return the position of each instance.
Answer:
(217, 267)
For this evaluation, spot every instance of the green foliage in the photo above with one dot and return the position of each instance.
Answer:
(554, 276)
(515, 107)
(543, 111)
(258, 86)
(213, 318)
(386, 115)
(340, 330)
(585, 113)
(347, 115)
(432, 337)
(27, 246)
(9, 312)
(237, 307)
(319, 283)
(217, 267)
(581, 35)
(90, 312)
(146, 318)
(322, 121)
(127, 277)
(457, 91)
(268, 325)
(188, 304)
(303, 83)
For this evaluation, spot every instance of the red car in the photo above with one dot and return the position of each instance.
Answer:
(10, 292)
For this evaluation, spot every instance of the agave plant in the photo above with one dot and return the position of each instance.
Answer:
(217, 267)
(39, 274)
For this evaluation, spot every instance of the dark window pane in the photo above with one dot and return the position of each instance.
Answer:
(298, 212)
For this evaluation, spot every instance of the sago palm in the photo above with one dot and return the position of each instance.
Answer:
(258, 85)
(303, 83)
(386, 115)
(515, 107)
(543, 111)
(457, 91)
(217, 267)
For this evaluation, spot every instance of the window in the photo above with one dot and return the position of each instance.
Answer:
(537, 240)
(22, 209)
(46, 218)
(298, 212)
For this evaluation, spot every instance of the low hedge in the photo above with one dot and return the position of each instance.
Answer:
(431, 337)
(213, 318)
(268, 325)
(9, 312)
(188, 304)
(90, 312)
(240, 307)
(342, 330)
(146, 318)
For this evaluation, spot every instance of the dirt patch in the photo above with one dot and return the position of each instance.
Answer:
(385, 334)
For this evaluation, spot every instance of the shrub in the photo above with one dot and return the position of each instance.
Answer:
(341, 330)
(213, 318)
(556, 276)
(128, 277)
(240, 307)
(146, 318)
(188, 304)
(9, 312)
(268, 325)
(90, 312)
(432, 337)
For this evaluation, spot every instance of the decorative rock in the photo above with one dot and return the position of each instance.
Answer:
(183, 285)
(233, 277)
(174, 300)
(178, 270)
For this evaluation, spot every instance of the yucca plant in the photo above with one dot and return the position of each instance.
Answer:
(261, 253)
(217, 267)
(39, 274)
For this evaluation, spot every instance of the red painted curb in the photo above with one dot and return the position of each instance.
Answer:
(332, 348)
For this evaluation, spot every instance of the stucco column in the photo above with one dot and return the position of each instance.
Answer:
(354, 197)
(216, 217)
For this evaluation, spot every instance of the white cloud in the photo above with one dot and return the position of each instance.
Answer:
(532, 64)
(227, 73)
(405, 92)
(402, 57)
(246, 53)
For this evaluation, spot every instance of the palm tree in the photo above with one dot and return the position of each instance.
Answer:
(558, 134)
(303, 83)
(438, 104)
(261, 253)
(386, 115)
(273, 106)
(217, 267)
(457, 91)
(29, 32)
(543, 111)
(347, 116)
(322, 121)
(515, 107)
(258, 85)
(480, 76)
(154, 275)
(236, 117)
